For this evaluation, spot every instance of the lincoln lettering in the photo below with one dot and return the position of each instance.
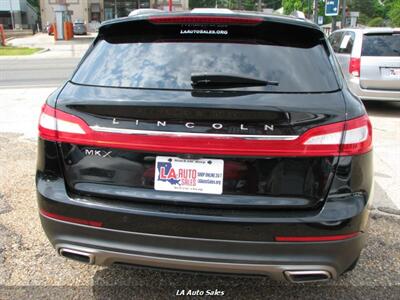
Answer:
(193, 125)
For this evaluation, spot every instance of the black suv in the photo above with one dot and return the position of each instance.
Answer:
(207, 142)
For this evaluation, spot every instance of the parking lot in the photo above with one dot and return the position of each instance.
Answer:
(30, 268)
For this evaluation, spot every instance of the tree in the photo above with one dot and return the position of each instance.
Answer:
(274, 4)
(234, 4)
(368, 9)
(249, 4)
(376, 22)
(290, 6)
(394, 14)
(34, 3)
(201, 3)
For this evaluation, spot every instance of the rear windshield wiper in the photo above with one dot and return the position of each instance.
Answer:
(218, 81)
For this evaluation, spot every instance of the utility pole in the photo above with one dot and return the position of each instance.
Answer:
(316, 11)
(12, 15)
(309, 9)
(344, 14)
(333, 24)
(259, 5)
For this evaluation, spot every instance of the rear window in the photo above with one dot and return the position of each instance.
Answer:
(381, 45)
(347, 42)
(166, 64)
(335, 39)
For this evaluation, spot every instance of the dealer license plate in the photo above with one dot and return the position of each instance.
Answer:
(189, 175)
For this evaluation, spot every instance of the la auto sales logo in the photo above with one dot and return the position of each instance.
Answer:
(181, 176)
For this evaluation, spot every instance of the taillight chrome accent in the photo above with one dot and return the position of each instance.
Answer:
(355, 66)
(351, 137)
(204, 20)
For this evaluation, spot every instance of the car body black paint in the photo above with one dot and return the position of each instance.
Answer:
(271, 196)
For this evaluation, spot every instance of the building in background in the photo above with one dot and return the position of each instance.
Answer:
(93, 12)
(18, 14)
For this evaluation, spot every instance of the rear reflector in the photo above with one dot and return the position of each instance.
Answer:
(204, 20)
(324, 238)
(70, 219)
(355, 66)
(351, 137)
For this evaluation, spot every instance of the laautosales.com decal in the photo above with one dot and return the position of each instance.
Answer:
(204, 31)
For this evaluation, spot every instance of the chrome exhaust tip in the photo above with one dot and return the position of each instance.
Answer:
(80, 256)
(308, 276)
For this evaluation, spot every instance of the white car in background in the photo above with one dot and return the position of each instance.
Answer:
(370, 61)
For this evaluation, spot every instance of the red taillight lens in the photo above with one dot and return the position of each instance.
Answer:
(343, 138)
(324, 238)
(357, 136)
(70, 219)
(204, 20)
(352, 137)
(57, 125)
(354, 66)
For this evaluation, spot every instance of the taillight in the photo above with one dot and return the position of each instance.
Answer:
(355, 66)
(354, 136)
(57, 125)
(351, 137)
(204, 20)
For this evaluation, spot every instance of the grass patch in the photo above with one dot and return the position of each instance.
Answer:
(5, 51)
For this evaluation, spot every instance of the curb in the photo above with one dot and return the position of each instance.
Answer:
(42, 51)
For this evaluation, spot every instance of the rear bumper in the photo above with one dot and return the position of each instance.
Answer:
(202, 238)
(354, 85)
(222, 244)
(107, 247)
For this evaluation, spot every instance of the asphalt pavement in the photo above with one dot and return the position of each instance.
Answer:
(50, 67)
(29, 72)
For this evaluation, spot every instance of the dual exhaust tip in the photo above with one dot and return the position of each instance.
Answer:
(80, 256)
(307, 276)
(292, 276)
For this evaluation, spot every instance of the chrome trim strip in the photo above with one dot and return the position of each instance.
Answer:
(190, 134)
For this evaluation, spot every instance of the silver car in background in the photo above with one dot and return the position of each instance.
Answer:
(80, 28)
(370, 61)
